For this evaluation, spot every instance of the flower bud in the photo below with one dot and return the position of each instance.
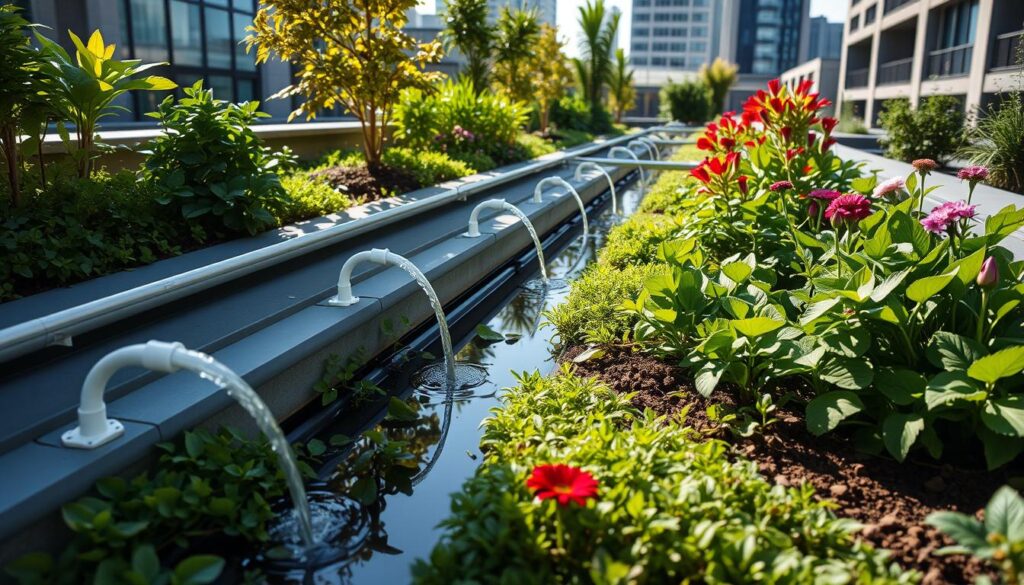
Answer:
(989, 275)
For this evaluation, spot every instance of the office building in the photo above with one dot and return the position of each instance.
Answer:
(546, 9)
(824, 39)
(911, 49)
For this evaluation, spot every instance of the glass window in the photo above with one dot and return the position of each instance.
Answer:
(243, 61)
(218, 39)
(246, 90)
(149, 30)
(222, 87)
(187, 32)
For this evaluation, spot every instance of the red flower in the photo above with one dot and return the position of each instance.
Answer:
(743, 183)
(787, 132)
(811, 137)
(562, 482)
(804, 87)
(780, 186)
(829, 124)
(774, 86)
(848, 209)
(701, 173)
(704, 143)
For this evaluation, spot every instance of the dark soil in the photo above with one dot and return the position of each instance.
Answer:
(369, 183)
(890, 499)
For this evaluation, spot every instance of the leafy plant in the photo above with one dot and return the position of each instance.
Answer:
(594, 66)
(998, 540)
(669, 506)
(18, 65)
(637, 241)
(718, 77)
(209, 165)
(934, 130)
(995, 142)
(516, 37)
(468, 30)
(352, 54)
(460, 122)
(551, 74)
(621, 90)
(84, 90)
(688, 102)
(571, 112)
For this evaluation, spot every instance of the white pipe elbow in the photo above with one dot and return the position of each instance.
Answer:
(474, 216)
(344, 298)
(539, 189)
(94, 428)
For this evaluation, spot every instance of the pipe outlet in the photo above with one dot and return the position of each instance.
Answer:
(344, 298)
(474, 216)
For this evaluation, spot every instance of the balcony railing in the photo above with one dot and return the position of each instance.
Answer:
(895, 72)
(1007, 46)
(891, 5)
(857, 78)
(950, 62)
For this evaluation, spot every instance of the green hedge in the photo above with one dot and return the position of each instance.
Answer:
(637, 240)
(671, 507)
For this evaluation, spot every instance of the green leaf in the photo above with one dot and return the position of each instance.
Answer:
(400, 410)
(900, 385)
(364, 490)
(953, 352)
(594, 353)
(1005, 416)
(198, 570)
(946, 388)
(891, 282)
(825, 412)
(316, 447)
(848, 373)
(864, 185)
(925, 288)
(737, 271)
(963, 529)
(708, 377)
(852, 341)
(756, 326)
(1001, 364)
(900, 431)
(1004, 514)
(145, 562)
(970, 266)
(999, 449)
(487, 334)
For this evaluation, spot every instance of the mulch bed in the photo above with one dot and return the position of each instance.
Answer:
(369, 183)
(890, 499)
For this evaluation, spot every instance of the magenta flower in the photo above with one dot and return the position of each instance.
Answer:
(848, 209)
(945, 216)
(892, 186)
(780, 186)
(824, 194)
(975, 174)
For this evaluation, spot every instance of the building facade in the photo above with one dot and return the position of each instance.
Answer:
(825, 39)
(911, 49)
(547, 10)
(680, 35)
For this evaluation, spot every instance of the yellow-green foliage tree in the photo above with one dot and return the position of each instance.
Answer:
(349, 53)
(515, 42)
(718, 78)
(621, 90)
(551, 73)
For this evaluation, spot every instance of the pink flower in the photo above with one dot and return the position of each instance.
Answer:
(925, 165)
(848, 209)
(780, 186)
(989, 275)
(824, 194)
(947, 215)
(973, 175)
(892, 186)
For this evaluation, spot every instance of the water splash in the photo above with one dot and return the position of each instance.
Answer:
(435, 304)
(533, 235)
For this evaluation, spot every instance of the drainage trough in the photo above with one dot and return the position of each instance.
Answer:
(271, 324)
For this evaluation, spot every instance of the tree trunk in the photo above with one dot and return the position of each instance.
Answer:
(9, 144)
(545, 113)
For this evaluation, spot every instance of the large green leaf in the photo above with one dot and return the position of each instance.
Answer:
(900, 431)
(950, 351)
(1005, 416)
(851, 341)
(825, 412)
(847, 373)
(999, 449)
(900, 385)
(946, 388)
(925, 288)
(967, 532)
(1004, 514)
(737, 271)
(707, 378)
(756, 326)
(1001, 364)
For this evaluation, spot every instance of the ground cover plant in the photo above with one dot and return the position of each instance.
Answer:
(577, 486)
(796, 283)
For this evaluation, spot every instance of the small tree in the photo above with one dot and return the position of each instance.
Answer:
(934, 130)
(467, 29)
(621, 90)
(17, 64)
(514, 49)
(687, 102)
(351, 53)
(594, 66)
(551, 74)
(719, 77)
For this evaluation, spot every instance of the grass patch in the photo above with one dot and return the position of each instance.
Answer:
(637, 240)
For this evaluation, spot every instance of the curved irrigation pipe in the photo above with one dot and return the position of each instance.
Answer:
(616, 150)
(560, 182)
(584, 166)
(474, 227)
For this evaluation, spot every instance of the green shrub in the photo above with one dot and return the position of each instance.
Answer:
(637, 240)
(572, 112)
(534, 145)
(429, 168)
(934, 130)
(849, 123)
(671, 508)
(998, 143)
(310, 197)
(459, 121)
(83, 228)
(210, 166)
(592, 313)
(688, 102)
(670, 194)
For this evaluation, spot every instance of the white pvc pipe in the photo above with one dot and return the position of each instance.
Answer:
(654, 146)
(616, 150)
(344, 297)
(474, 227)
(474, 216)
(584, 166)
(560, 182)
(651, 150)
(94, 428)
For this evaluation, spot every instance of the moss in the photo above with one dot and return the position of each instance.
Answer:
(591, 312)
(637, 240)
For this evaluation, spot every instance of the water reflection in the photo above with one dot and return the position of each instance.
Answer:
(404, 469)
